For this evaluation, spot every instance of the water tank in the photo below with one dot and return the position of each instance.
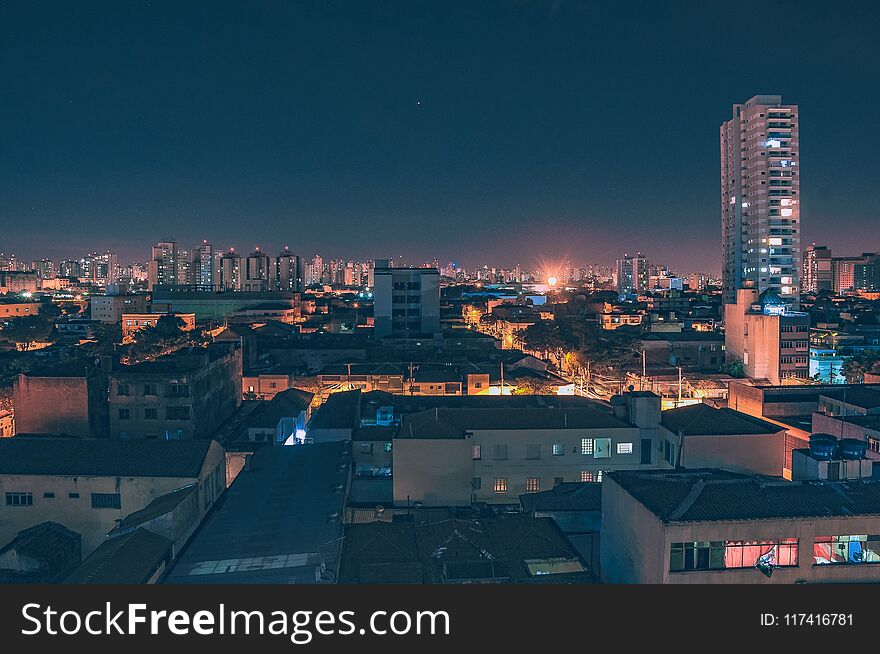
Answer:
(852, 448)
(823, 446)
(618, 406)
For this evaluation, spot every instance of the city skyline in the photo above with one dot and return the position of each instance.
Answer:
(342, 146)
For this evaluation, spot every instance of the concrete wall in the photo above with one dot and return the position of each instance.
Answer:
(436, 472)
(77, 514)
(760, 454)
(632, 539)
(53, 405)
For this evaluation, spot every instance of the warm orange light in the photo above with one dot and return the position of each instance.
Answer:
(552, 280)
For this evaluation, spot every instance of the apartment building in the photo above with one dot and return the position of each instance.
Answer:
(714, 527)
(183, 395)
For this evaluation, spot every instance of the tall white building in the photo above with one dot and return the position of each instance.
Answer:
(760, 199)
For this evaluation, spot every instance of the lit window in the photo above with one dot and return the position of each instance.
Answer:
(601, 448)
(624, 448)
(475, 452)
(558, 449)
(586, 446)
(587, 475)
(500, 485)
(533, 484)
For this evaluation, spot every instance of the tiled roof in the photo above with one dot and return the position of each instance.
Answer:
(702, 419)
(716, 495)
(571, 496)
(454, 551)
(452, 423)
(131, 558)
(90, 457)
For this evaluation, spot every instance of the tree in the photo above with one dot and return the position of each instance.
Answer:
(26, 331)
(855, 367)
(735, 368)
(168, 327)
(50, 310)
(534, 386)
(611, 350)
(547, 336)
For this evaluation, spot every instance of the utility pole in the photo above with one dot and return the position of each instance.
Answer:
(679, 387)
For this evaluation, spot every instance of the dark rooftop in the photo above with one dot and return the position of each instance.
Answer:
(458, 551)
(188, 359)
(866, 397)
(158, 507)
(132, 558)
(702, 419)
(91, 457)
(568, 496)
(286, 404)
(279, 522)
(453, 423)
(709, 495)
(54, 546)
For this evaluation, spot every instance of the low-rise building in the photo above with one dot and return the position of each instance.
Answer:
(43, 554)
(87, 485)
(111, 308)
(186, 394)
(281, 420)
(701, 436)
(133, 322)
(713, 527)
(458, 457)
(70, 398)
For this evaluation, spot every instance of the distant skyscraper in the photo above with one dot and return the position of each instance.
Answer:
(203, 265)
(760, 199)
(632, 274)
(230, 272)
(288, 276)
(817, 269)
(257, 272)
(162, 269)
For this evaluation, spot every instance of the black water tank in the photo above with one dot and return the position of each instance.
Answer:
(852, 448)
(823, 446)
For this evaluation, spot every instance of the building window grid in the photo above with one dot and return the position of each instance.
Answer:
(732, 554)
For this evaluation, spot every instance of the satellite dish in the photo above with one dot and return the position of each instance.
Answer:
(631, 387)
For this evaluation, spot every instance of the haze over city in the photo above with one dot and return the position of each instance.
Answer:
(483, 132)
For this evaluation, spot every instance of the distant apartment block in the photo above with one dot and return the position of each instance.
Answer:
(406, 302)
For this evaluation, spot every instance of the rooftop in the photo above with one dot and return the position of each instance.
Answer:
(453, 423)
(92, 457)
(279, 522)
(132, 558)
(286, 404)
(709, 495)
(568, 496)
(496, 550)
(702, 419)
(158, 507)
(866, 397)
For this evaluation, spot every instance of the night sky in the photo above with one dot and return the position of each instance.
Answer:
(488, 132)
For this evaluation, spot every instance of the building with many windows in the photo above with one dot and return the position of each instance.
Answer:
(458, 457)
(183, 395)
(760, 199)
(406, 301)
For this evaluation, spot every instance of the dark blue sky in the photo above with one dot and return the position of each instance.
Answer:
(496, 132)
